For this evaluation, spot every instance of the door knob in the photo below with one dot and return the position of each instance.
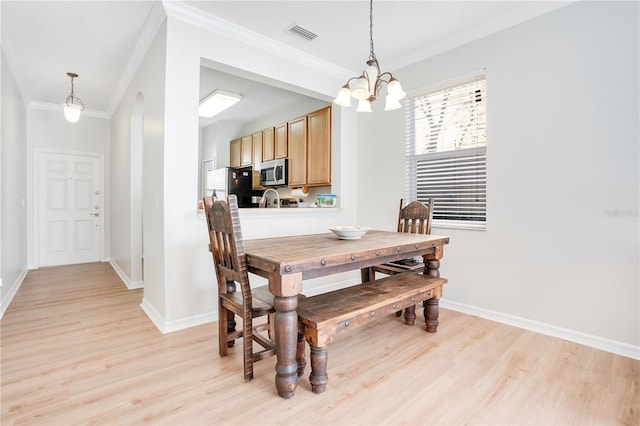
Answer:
(95, 214)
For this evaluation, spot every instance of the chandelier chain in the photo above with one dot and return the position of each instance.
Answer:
(372, 55)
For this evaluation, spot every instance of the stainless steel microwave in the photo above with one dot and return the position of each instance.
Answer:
(274, 173)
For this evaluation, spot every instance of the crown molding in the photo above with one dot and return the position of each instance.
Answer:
(153, 23)
(46, 106)
(214, 24)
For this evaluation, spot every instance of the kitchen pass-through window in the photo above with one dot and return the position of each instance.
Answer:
(446, 143)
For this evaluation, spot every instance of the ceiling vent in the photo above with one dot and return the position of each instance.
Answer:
(301, 32)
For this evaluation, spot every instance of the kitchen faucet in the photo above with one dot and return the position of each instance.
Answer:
(263, 200)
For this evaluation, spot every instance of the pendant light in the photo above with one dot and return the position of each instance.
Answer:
(73, 106)
(366, 87)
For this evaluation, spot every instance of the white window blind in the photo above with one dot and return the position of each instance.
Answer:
(446, 143)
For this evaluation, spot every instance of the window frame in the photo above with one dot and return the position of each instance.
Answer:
(412, 159)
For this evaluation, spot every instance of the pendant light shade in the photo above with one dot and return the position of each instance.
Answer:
(364, 106)
(73, 106)
(366, 87)
(72, 112)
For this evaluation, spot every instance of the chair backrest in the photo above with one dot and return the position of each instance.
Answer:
(225, 237)
(415, 217)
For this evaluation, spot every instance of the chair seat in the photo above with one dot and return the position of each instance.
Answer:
(263, 294)
(259, 307)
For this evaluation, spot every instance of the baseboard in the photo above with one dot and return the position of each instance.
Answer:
(181, 324)
(608, 345)
(131, 285)
(153, 315)
(6, 301)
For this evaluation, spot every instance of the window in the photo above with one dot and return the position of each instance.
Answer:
(208, 177)
(446, 145)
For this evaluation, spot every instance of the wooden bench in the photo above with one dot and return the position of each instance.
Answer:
(326, 315)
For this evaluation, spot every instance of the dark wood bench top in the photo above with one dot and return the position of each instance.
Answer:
(328, 314)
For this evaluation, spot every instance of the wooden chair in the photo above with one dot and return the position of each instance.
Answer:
(413, 217)
(225, 236)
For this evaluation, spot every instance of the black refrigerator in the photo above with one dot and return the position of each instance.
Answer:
(237, 181)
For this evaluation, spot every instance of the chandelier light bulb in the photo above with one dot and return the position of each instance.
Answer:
(364, 106)
(395, 89)
(344, 96)
(360, 89)
(72, 112)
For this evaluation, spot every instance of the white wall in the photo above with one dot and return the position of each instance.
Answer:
(148, 83)
(13, 189)
(561, 249)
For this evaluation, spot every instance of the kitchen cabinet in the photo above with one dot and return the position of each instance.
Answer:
(256, 140)
(257, 159)
(246, 150)
(281, 141)
(267, 144)
(234, 153)
(319, 147)
(297, 141)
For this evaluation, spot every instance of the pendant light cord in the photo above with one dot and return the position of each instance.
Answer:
(372, 55)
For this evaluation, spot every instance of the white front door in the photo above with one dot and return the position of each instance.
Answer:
(69, 208)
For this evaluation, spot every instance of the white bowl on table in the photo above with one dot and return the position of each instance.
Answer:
(349, 232)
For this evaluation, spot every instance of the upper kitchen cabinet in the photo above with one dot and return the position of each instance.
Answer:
(235, 150)
(297, 141)
(257, 139)
(246, 152)
(319, 147)
(310, 149)
(267, 144)
(281, 141)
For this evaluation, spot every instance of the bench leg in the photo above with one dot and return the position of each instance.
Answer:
(410, 315)
(302, 363)
(431, 313)
(318, 376)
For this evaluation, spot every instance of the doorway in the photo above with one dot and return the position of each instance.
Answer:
(70, 208)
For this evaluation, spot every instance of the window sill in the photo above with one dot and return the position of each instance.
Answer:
(444, 224)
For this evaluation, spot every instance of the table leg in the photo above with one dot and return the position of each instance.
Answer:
(432, 306)
(318, 377)
(286, 328)
(367, 274)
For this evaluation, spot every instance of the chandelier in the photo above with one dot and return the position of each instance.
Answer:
(73, 106)
(366, 87)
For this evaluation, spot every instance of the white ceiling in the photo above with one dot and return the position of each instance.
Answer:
(43, 40)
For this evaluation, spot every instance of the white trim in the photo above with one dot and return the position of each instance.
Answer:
(6, 301)
(181, 324)
(153, 315)
(151, 26)
(46, 106)
(452, 81)
(608, 345)
(131, 285)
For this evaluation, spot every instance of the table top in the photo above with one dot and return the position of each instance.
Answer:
(317, 255)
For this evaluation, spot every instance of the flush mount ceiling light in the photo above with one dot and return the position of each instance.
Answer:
(73, 106)
(366, 87)
(217, 102)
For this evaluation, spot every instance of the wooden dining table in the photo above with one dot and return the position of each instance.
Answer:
(287, 261)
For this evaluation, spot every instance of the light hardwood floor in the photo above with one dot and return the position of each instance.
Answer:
(78, 349)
